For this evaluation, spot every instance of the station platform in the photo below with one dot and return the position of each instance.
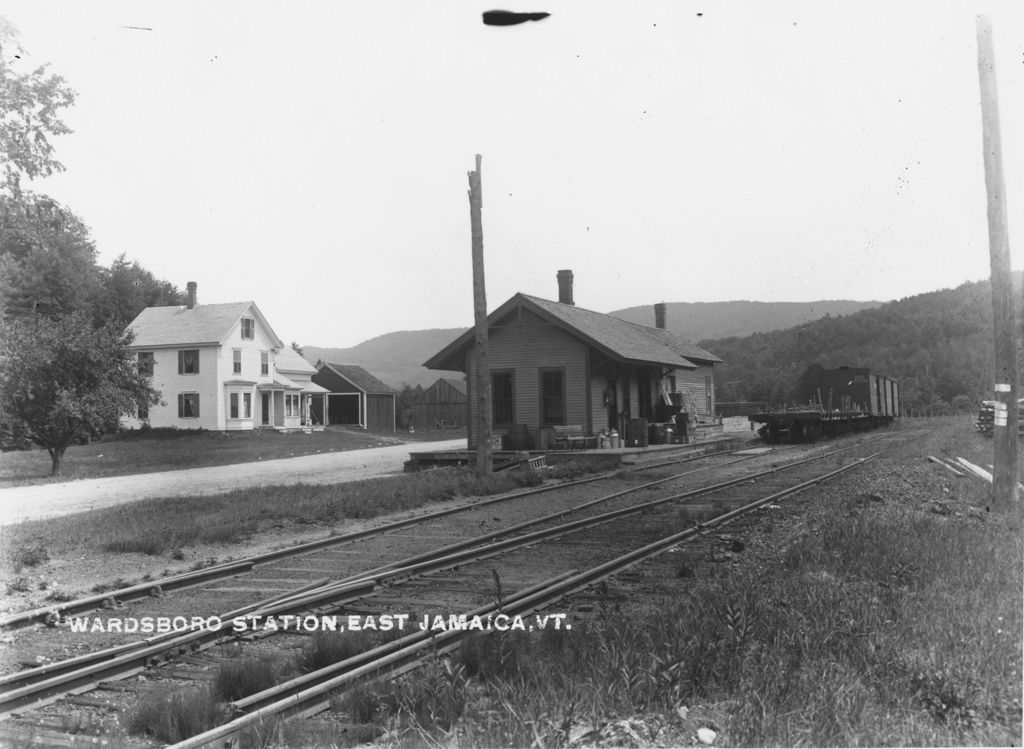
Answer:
(621, 456)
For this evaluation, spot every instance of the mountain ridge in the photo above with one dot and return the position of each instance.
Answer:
(396, 358)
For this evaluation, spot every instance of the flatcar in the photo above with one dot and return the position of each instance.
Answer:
(844, 399)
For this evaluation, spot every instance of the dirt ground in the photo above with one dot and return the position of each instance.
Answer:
(50, 500)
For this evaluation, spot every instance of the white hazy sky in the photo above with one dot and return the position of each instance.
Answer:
(312, 156)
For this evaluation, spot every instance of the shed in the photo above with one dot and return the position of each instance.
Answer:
(354, 398)
(443, 404)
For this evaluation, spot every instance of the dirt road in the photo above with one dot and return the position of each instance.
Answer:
(50, 500)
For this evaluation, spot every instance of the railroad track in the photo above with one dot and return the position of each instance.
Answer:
(594, 542)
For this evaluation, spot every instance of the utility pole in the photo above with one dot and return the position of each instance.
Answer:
(483, 367)
(1005, 429)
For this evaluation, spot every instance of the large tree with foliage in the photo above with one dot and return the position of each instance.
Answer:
(126, 288)
(47, 258)
(64, 380)
(31, 102)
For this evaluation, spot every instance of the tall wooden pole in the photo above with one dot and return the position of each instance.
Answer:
(483, 367)
(1005, 473)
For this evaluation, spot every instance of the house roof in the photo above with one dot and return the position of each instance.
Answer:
(685, 348)
(618, 338)
(360, 378)
(207, 324)
(459, 385)
(289, 360)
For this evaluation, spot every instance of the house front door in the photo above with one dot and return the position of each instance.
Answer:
(265, 409)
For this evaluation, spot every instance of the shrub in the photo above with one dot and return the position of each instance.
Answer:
(29, 556)
(240, 677)
(175, 716)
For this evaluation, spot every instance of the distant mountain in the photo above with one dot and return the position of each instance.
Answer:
(710, 320)
(394, 358)
(939, 345)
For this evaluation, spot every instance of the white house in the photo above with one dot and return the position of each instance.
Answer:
(220, 366)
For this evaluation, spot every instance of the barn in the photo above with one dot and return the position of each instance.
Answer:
(354, 398)
(442, 405)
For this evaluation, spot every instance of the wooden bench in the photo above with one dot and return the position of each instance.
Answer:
(571, 437)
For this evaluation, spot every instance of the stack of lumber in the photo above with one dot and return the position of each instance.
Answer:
(987, 415)
(986, 418)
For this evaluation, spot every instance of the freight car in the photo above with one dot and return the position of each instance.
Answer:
(843, 400)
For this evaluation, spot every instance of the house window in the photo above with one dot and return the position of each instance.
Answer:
(248, 328)
(264, 363)
(146, 362)
(291, 405)
(233, 399)
(502, 398)
(236, 361)
(552, 396)
(246, 405)
(188, 405)
(188, 361)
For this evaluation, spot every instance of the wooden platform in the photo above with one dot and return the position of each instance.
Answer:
(419, 461)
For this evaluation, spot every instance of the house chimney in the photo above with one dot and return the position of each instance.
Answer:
(565, 287)
(660, 312)
(190, 299)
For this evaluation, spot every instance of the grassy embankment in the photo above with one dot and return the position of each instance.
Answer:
(892, 615)
(128, 453)
(166, 526)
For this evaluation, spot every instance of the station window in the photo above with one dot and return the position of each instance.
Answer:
(503, 398)
(552, 396)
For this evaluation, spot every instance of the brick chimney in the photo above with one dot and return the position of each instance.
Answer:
(190, 297)
(660, 313)
(565, 287)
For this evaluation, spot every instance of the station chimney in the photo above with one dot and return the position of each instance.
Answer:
(660, 313)
(190, 297)
(565, 287)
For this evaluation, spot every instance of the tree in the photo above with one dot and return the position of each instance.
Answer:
(63, 380)
(47, 258)
(125, 289)
(298, 349)
(30, 105)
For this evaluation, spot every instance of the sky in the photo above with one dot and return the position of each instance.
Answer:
(313, 156)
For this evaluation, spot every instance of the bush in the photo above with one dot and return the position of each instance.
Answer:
(176, 716)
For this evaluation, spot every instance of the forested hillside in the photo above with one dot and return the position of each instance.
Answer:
(939, 345)
(696, 320)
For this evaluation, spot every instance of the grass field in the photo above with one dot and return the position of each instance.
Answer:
(165, 525)
(166, 450)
